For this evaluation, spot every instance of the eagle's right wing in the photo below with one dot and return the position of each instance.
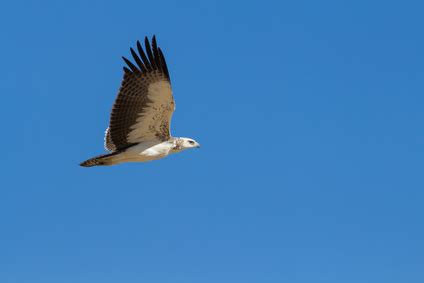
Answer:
(143, 108)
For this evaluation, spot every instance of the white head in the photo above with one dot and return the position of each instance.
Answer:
(186, 143)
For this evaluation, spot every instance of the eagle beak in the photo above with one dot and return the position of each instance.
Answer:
(198, 146)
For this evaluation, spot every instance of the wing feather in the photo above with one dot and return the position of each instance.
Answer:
(131, 65)
(144, 106)
(138, 61)
(156, 52)
(149, 53)
(143, 56)
(163, 63)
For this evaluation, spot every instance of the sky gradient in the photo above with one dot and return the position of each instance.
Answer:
(310, 116)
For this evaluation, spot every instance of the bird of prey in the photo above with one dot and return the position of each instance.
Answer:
(139, 128)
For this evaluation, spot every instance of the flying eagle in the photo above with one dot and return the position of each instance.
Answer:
(139, 128)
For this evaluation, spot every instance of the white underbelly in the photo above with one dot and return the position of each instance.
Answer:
(145, 152)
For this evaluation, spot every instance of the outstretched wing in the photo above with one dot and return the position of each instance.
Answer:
(143, 108)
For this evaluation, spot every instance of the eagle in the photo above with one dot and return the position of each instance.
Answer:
(139, 127)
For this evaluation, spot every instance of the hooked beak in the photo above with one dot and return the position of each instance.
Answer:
(198, 145)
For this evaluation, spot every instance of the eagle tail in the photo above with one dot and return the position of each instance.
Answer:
(100, 160)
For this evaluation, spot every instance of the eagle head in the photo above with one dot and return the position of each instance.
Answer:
(186, 143)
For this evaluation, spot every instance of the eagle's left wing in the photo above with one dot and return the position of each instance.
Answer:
(143, 108)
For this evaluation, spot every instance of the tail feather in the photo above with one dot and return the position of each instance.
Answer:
(100, 160)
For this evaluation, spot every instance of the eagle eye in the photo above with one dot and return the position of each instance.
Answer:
(191, 142)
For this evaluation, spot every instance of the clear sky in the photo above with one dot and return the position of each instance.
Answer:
(310, 116)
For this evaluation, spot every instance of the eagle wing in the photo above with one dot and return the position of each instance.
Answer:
(143, 108)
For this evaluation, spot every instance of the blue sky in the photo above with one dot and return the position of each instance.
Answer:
(310, 116)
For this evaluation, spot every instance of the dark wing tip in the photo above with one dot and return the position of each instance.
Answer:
(150, 53)
(143, 56)
(164, 67)
(131, 65)
(156, 53)
(148, 59)
(138, 61)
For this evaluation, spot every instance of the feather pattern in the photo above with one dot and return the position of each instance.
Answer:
(143, 108)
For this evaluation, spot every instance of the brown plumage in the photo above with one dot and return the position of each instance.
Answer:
(132, 100)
